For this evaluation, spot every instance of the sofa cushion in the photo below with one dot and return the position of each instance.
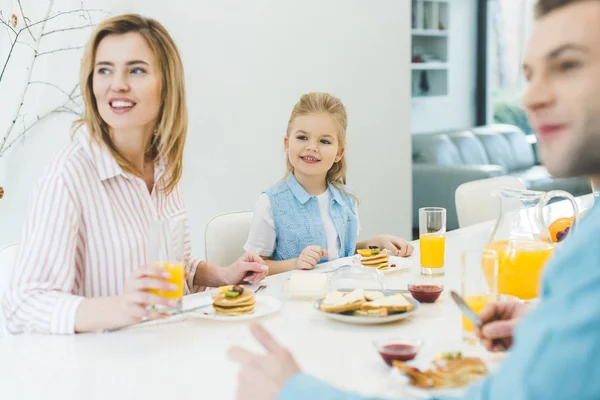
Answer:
(506, 145)
(538, 178)
(470, 148)
(435, 149)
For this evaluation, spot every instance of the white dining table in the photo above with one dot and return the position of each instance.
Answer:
(187, 359)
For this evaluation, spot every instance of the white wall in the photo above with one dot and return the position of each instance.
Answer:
(457, 111)
(247, 63)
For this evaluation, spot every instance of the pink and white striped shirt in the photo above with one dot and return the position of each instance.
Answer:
(85, 234)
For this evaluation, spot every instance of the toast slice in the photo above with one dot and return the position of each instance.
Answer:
(378, 312)
(336, 303)
(393, 304)
(371, 295)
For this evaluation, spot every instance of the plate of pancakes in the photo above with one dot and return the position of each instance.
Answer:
(235, 303)
(381, 260)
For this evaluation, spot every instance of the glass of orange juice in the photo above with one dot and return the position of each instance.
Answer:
(432, 240)
(479, 277)
(165, 250)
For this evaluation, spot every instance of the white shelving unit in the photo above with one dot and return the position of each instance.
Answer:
(430, 58)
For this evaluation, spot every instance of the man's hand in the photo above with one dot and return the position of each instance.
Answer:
(261, 377)
(499, 322)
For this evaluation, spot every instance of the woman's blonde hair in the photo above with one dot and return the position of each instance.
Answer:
(171, 128)
(313, 103)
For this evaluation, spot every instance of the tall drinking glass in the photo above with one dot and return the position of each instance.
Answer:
(479, 283)
(432, 240)
(165, 250)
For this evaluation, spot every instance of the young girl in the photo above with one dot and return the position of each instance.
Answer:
(310, 216)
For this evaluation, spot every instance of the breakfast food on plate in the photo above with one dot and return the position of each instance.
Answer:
(365, 303)
(374, 257)
(393, 304)
(371, 295)
(446, 373)
(339, 302)
(234, 300)
(378, 312)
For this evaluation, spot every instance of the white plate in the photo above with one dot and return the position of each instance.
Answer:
(265, 305)
(351, 319)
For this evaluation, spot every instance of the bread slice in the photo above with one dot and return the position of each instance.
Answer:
(371, 295)
(394, 304)
(334, 303)
(378, 312)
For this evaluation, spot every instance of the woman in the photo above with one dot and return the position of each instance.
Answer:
(80, 266)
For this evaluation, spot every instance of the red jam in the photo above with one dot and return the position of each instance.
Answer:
(401, 352)
(425, 293)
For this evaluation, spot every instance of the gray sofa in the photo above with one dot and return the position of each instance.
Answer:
(444, 161)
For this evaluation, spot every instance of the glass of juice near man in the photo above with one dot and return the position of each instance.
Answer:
(165, 249)
(432, 240)
(478, 284)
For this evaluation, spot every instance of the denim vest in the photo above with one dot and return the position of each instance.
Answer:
(298, 223)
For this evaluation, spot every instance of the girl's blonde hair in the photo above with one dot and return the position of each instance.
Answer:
(315, 102)
(171, 128)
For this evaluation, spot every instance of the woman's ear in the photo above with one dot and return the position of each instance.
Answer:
(340, 154)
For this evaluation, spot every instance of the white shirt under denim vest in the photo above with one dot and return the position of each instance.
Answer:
(287, 219)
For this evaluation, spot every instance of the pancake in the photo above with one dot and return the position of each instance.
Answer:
(243, 304)
(235, 311)
(378, 259)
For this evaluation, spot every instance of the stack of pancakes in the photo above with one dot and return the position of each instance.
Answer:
(378, 261)
(234, 306)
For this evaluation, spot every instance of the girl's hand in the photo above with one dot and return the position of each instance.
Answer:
(398, 246)
(132, 304)
(310, 257)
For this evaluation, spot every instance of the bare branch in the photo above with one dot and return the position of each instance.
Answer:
(12, 47)
(68, 29)
(59, 109)
(30, 46)
(69, 95)
(43, 53)
(3, 22)
(66, 13)
(21, 98)
(25, 19)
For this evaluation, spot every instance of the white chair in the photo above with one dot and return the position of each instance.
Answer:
(8, 254)
(475, 202)
(225, 237)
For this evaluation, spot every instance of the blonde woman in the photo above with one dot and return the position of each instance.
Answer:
(310, 216)
(81, 263)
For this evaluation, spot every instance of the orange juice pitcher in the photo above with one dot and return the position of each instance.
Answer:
(522, 241)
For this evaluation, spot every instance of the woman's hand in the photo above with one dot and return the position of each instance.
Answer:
(133, 302)
(248, 268)
(309, 258)
(398, 246)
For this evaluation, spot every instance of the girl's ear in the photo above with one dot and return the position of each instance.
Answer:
(340, 154)
(286, 144)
